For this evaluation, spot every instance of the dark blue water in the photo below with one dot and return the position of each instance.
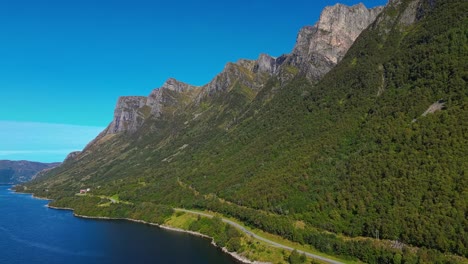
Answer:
(32, 233)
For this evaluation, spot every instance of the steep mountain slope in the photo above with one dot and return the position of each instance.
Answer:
(351, 153)
(14, 172)
(230, 93)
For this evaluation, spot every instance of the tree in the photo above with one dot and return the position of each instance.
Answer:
(397, 259)
(296, 258)
(234, 244)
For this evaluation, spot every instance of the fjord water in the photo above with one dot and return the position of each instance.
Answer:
(30, 232)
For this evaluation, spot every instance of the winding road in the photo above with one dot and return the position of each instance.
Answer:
(272, 243)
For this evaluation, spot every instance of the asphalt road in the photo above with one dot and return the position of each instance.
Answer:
(243, 229)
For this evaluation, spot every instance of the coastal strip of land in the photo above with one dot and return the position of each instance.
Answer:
(270, 242)
(233, 254)
(225, 220)
(240, 227)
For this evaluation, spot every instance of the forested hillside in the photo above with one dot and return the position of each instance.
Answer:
(355, 153)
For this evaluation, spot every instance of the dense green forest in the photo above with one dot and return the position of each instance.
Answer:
(352, 154)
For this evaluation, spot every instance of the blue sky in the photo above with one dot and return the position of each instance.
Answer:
(47, 142)
(67, 62)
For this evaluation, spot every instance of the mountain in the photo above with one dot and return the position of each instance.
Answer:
(13, 172)
(318, 49)
(359, 132)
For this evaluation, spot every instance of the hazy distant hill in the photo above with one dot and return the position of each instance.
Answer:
(21, 171)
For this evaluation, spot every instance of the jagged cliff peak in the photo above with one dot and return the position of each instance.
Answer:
(131, 111)
(318, 49)
(126, 114)
(266, 63)
(248, 64)
(338, 28)
(177, 86)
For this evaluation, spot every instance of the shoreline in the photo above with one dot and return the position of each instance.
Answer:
(32, 195)
(234, 255)
(41, 198)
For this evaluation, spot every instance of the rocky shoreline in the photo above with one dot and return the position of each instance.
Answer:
(32, 195)
(40, 198)
(235, 255)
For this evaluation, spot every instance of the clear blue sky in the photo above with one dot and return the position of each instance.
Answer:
(42, 141)
(67, 62)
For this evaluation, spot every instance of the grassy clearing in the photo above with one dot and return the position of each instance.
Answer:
(181, 220)
(252, 248)
(112, 199)
(279, 239)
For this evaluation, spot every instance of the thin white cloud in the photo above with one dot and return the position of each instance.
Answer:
(54, 151)
(45, 125)
(43, 141)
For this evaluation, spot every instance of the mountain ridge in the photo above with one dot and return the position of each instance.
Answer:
(358, 16)
(340, 154)
(131, 111)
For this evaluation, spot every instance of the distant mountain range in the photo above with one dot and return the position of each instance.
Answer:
(13, 172)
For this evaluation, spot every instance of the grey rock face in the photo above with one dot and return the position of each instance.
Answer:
(320, 47)
(131, 111)
(156, 99)
(409, 15)
(266, 63)
(247, 64)
(242, 72)
(174, 85)
(127, 116)
(338, 28)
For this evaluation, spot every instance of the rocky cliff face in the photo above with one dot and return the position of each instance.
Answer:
(127, 114)
(266, 63)
(241, 72)
(131, 111)
(318, 49)
(336, 31)
(158, 97)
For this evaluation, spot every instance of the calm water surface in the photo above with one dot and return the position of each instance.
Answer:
(32, 233)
